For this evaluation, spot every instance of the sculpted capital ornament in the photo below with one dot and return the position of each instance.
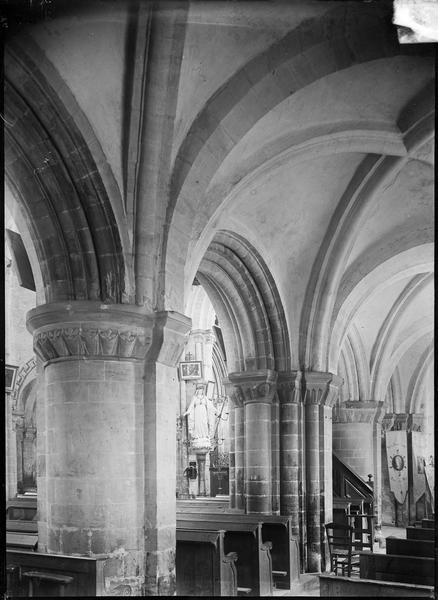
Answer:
(255, 386)
(89, 329)
(322, 388)
(289, 387)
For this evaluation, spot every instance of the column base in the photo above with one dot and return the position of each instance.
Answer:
(160, 577)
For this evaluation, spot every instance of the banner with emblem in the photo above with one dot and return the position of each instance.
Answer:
(397, 456)
(429, 464)
(418, 462)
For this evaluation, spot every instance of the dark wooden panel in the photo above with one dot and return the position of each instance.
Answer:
(420, 533)
(202, 566)
(21, 526)
(391, 567)
(410, 547)
(87, 572)
(334, 586)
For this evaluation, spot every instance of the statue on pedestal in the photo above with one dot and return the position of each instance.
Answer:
(200, 420)
(201, 428)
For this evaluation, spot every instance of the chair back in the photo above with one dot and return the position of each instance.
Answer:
(339, 538)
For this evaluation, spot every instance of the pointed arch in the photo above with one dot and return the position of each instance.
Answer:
(61, 195)
(247, 302)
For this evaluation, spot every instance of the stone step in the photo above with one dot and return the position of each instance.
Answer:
(308, 585)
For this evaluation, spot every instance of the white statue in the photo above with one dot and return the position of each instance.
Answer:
(200, 420)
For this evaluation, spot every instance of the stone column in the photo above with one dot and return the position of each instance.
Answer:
(11, 449)
(232, 472)
(237, 447)
(291, 445)
(101, 445)
(161, 391)
(321, 390)
(257, 389)
(29, 457)
(19, 438)
(356, 440)
(275, 453)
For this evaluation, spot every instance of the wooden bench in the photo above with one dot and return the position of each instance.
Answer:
(86, 573)
(254, 564)
(202, 567)
(22, 526)
(332, 586)
(39, 581)
(204, 505)
(395, 567)
(410, 547)
(428, 523)
(23, 509)
(420, 533)
(275, 529)
(26, 541)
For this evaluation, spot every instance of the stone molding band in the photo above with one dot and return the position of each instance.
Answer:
(358, 412)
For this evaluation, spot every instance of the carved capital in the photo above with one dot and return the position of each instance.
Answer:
(89, 341)
(289, 387)
(92, 329)
(358, 412)
(18, 422)
(234, 394)
(388, 422)
(321, 388)
(416, 422)
(30, 434)
(255, 386)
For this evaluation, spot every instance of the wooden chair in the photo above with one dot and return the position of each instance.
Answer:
(341, 548)
(363, 535)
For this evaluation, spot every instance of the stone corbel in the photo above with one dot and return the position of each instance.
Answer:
(255, 386)
(169, 336)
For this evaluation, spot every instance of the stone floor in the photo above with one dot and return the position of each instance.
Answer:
(309, 582)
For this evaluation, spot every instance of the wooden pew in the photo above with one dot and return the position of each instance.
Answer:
(410, 547)
(254, 564)
(428, 523)
(22, 526)
(202, 567)
(332, 586)
(392, 567)
(210, 505)
(86, 573)
(22, 509)
(420, 533)
(26, 541)
(275, 529)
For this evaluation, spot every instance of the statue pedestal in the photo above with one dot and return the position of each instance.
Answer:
(201, 454)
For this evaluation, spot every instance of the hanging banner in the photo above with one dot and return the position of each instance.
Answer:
(397, 456)
(418, 462)
(429, 464)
